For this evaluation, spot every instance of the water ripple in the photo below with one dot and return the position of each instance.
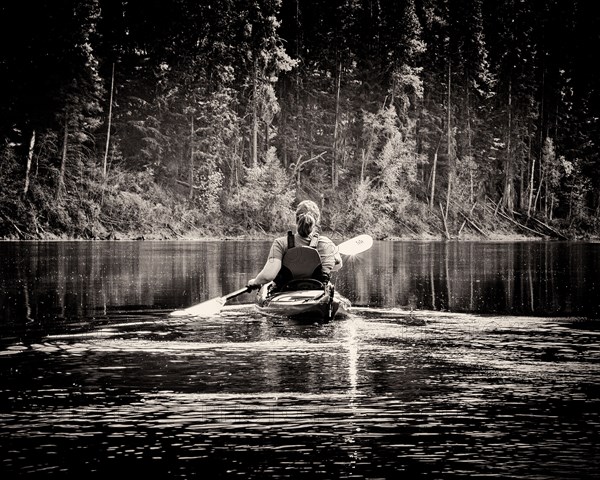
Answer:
(373, 396)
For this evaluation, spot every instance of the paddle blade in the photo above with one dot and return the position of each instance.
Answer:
(212, 307)
(356, 245)
(209, 308)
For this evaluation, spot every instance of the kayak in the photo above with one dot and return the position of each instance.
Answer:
(304, 301)
(314, 301)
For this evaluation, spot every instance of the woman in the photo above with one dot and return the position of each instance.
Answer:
(307, 221)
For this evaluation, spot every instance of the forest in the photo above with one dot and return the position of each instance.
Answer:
(160, 119)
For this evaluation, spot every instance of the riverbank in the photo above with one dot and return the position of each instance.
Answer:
(167, 235)
(137, 207)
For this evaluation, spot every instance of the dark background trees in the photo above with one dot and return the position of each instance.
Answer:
(419, 117)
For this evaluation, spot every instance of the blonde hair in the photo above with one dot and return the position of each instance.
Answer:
(308, 206)
(308, 216)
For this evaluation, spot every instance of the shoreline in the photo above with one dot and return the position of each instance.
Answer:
(336, 237)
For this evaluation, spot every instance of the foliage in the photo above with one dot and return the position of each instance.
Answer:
(129, 204)
(389, 172)
(264, 201)
(380, 109)
(369, 211)
(577, 188)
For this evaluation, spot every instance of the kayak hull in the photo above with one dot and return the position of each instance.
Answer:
(311, 304)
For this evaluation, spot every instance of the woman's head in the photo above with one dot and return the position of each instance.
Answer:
(308, 217)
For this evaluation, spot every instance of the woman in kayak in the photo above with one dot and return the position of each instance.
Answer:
(307, 221)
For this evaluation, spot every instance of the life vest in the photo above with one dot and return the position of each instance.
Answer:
(301, 263)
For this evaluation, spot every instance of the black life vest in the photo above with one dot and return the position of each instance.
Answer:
(302, 262)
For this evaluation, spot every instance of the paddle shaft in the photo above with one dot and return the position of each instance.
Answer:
(237, 293)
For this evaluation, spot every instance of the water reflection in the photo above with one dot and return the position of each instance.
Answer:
(67, 281)
(549, 278)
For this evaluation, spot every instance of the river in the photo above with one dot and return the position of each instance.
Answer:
(458, 360)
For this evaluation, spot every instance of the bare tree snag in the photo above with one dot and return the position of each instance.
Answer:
(29, 158)
(112, 88)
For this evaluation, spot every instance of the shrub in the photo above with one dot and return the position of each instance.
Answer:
(265, 199)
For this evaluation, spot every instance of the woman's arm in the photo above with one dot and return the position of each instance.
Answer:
(272, 265)
(268, 273)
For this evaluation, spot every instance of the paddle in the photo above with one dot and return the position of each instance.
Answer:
(356, 245)
(212, 307)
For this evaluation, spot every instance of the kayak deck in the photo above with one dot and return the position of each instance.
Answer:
(310, 304)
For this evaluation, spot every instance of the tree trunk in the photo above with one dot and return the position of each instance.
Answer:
(254, 135)
(537, 195)
(508, 166)
(267, 135)
(362, 165)
(448, 190)
(29, 159)
(451, 165)
(433, 174)
(334, 182)
(522, 169)
(112, 88)
(470, 149)
(191, 169)
(531, 187)
(547, 186)
(546, 190)
(449, 119)
(63, 159)
(432, 277)
(541, 141)
(284, 153)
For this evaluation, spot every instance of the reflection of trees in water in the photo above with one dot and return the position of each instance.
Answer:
(70, 280)
(75, 279)
(484, 277)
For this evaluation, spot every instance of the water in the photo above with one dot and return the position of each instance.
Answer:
(459, 360)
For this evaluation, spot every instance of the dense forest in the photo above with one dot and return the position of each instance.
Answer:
(407, 118)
